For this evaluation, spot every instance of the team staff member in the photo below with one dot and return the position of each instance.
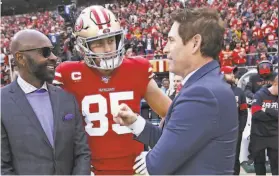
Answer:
(264, 131)
(229, 74)
(264, 76)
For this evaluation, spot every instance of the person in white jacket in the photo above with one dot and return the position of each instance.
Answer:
(171, 92)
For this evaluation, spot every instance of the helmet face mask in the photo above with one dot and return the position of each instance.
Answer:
(89, 32)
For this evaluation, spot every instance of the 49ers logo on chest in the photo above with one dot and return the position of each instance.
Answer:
(107, 30)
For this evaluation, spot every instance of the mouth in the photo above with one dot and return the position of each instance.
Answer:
(51, 67)
(109, 57)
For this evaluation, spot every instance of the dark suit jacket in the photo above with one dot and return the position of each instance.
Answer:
(200, 131)
(25, 148)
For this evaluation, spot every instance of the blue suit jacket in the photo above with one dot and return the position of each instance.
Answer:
(200, 131)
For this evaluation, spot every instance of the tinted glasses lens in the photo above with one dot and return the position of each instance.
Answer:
(46, 51)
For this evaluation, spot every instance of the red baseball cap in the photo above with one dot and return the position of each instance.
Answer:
(229, 70)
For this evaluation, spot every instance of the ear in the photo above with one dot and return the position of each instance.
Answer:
(196, 40)
(19, 58)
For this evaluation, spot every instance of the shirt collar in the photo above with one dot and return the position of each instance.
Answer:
(28, 88)
(188, 76)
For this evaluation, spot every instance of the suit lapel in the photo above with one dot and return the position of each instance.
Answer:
(201, 72)
(196, 76)
(54, 98)
(169, 111)
(21, 101)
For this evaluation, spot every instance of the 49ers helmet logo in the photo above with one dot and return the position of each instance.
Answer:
(107, 30)
(79, 25)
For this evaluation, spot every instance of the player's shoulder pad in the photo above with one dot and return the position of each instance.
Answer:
(140, 65)
(138, 61)
(68, 65)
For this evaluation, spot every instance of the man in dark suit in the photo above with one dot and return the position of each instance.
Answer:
(200, 131)
(41, 127)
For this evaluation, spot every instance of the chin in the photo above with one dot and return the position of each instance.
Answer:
(171, 68)
(49, 81)
(173, 71)
(49, 78)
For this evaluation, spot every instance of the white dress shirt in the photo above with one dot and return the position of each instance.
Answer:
(188, 76)
(28, 88)
(138, 126)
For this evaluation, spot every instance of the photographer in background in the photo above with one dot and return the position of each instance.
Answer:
(55, 38)
(69, 44)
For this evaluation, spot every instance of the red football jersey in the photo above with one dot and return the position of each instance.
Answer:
(112, 146)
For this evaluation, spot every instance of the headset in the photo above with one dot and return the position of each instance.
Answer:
(265, 67)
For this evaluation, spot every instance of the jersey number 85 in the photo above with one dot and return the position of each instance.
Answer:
(101, 116)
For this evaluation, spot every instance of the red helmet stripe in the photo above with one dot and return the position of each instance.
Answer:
(106, 17)
(98, 20)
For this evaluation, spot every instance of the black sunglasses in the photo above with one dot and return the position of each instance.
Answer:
(45, 51)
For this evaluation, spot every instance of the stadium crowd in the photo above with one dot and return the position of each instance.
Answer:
(251, 29)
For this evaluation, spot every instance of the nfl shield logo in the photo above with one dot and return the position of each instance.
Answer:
(105, 79)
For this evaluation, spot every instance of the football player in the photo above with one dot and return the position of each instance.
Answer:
(103, 81)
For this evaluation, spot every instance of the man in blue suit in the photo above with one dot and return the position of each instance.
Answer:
(200, 131)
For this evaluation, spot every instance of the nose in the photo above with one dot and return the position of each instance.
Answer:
(166, 49)
(107, 48)
(52, 57)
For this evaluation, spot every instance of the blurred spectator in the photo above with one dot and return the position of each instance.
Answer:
(140, 46)
(225, 56)
(173, 91)
(149, 46)
(239, 54)
(129, 53)
(165, 85)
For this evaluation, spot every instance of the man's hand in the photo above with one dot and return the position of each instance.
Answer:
(140, 166)
(124, 116)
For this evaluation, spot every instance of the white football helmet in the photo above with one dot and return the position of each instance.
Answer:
(95, 23)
